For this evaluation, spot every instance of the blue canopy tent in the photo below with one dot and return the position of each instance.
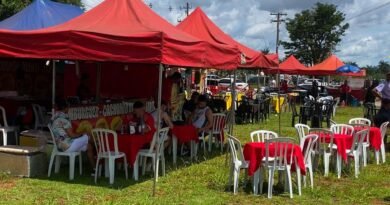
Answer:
(348, 69)
(41, 14)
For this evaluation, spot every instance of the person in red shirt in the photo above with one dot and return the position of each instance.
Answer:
(144, 121)
(284, 86)
(345, 90)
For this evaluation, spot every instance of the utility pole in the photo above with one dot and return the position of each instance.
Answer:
(186, 9)
(278, 21)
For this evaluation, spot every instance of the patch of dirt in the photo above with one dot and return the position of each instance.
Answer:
(7, 184)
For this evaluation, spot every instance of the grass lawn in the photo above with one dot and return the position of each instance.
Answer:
(204, 182)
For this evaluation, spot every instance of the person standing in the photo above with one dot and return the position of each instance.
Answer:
(382, 91)
(345, 91)
(370, 93)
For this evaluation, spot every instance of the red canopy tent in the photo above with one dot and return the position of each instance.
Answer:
(198, 24)
(125, 31)
(290, 66)
(121, 31)
(326, 67)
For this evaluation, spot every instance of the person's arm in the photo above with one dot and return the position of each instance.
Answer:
(167, 120)
(209, 124)
(377, 91)
(72, 134)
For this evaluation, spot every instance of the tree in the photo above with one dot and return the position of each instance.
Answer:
(11, 7)
(314, 34)
(383, 67)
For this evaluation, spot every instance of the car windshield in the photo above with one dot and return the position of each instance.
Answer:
(225, 81)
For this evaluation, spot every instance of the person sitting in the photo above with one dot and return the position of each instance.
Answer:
(202, 117)
(345, 91)
(143, 121)
(66, 138)
(190, 106)
(165, 119)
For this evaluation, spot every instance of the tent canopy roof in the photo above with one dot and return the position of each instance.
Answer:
(41, 14)
(200, 25)
(290, 66)
(123, 31)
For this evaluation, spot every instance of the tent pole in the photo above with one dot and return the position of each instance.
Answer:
(258, 95)
(233, 106)
(280, 112)
(53, 91)
(160, 76)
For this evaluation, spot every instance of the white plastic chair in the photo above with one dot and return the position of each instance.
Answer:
(263, 135)
(219, 121)
(102, 145)
(57, 154)
(143, 154)
(238, 162)
(302, 130)
(40, 121)
(360, 121)
(366, 143)
(342, 129)
(354, 152)
(6, 127)
(307, 145)
(383, 129)
(324, 147)
(280, 161)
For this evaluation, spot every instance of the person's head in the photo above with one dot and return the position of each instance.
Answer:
(61, 105)
(139, 109)
(345, 82)
(195, 96)
(164, 105)
(202, 101)
(176, 77)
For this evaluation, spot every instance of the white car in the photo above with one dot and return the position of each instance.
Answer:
(225, 83)
(310, 82)
(212, 77)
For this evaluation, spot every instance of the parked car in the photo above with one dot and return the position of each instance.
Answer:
(212, 77)
(225, 83)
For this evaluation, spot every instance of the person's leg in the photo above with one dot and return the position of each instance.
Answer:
(78, 144)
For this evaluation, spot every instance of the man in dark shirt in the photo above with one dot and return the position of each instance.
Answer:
(384, 113)
(190, 105)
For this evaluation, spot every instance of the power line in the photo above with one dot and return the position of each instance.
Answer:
(369, 11)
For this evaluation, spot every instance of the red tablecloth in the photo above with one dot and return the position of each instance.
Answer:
(185, 133)
(254, 152)
(131, 144)
(343, 143)
(375, 137)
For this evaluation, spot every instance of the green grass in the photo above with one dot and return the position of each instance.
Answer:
(204, 182)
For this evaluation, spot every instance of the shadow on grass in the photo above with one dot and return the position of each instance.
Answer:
(120, 181)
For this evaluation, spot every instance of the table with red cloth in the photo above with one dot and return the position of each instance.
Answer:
(375, 137)
(254, 152)
(183, 134)
(131, 144)
(342, 141)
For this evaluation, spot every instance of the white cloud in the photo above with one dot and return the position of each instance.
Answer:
(367, 41)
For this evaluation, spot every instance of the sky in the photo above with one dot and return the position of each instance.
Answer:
(366, 42)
